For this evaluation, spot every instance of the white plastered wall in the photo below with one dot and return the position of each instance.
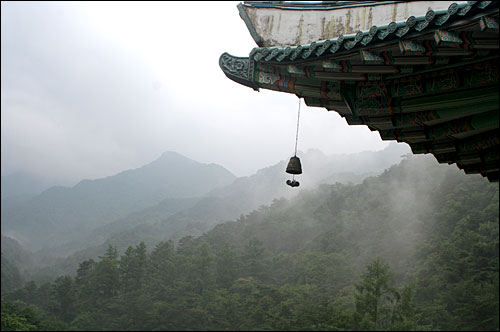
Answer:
(280, 27)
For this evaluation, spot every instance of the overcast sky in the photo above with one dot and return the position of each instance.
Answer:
(91, 89)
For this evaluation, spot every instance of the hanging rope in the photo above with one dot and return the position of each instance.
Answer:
(297, 135)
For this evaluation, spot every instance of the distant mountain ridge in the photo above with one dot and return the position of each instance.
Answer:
(61, 214)
(247, 193)
(22, 184)
(174, 218)
(151, 218)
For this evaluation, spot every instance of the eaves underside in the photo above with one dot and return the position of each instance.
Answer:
(431, 81)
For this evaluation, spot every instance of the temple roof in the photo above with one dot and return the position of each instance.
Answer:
(376, 36)
(430, 81)
(315, 5)
(291, 23)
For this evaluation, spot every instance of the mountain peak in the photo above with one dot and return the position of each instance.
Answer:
(174, 157)
(93, 203)
(169, 154)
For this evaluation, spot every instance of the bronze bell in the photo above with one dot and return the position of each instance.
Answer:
(294, 166)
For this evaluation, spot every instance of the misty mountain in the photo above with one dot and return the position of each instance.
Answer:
(16, 253)
(15, 263)
(62, 214)
(351, 217)
(22, 184)
(99, 235)
(248, 193)
(175, 218)
(425, 233)
(19, 187)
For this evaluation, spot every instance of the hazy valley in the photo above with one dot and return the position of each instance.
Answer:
(241, 253)
(171, 197)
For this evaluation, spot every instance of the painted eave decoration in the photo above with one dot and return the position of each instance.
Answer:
(430, 81)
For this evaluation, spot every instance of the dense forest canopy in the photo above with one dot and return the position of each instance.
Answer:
(415, 248)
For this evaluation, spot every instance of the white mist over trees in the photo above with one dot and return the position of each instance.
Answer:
(334, 257)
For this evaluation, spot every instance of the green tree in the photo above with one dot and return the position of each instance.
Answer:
(15, 322)
(226, 267)
(63, 295)
(253, 259)
(378, 304)
(19, 316)
(458, 261)
(10, 276)
(203, 260)
(132, 268)
(107, 274)
(133, 299)
(85, 286)
(162, 269)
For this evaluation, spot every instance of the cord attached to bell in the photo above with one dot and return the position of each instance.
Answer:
(294, 167)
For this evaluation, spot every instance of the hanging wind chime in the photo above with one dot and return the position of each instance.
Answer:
(294, 167)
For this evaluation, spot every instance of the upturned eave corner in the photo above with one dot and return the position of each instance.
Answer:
(238, 69)
(430, 80)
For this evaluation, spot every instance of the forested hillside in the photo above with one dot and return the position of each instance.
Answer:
(64, 215)
(415, 248)
(176, 216)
